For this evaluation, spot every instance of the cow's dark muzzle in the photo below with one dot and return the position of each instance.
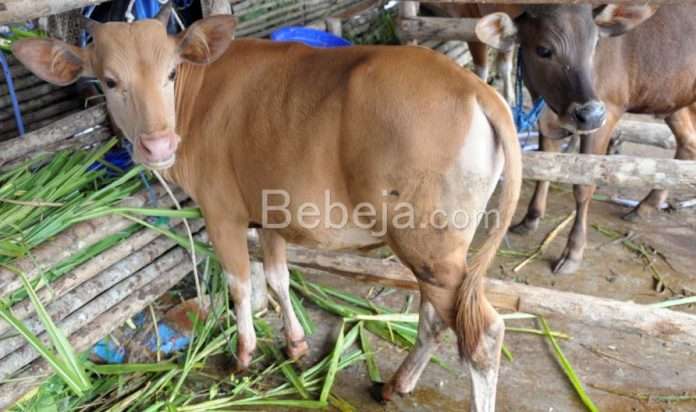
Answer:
(589, 116)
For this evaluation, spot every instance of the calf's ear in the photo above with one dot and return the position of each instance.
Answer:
(617, 19)
(206, 39)
(497, 30)
(53, 60)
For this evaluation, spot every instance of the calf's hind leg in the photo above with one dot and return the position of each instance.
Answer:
(683, 126)
(430, 328)
(276, 268)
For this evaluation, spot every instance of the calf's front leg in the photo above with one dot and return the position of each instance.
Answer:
(276, 267)
(230, 242)
(596, 143)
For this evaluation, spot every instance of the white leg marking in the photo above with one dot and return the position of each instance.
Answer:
(484, 369)
(241, 295)
(278, 278)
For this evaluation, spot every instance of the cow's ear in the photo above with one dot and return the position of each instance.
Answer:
(206, 39)
(617, 19)
(497, 30)
(53, 60)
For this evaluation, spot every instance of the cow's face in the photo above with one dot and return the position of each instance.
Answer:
(136, 65)
(557, 45)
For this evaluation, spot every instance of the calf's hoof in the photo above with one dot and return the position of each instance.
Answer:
(640, 212)
(566, 265)
(525, 227)
(297, 349)
(242, 363)
(382, 392)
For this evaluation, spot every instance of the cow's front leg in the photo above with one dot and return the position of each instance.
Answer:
(229, 239)
(683, 126)
(278, 277)
(596, 143)
(537, 205)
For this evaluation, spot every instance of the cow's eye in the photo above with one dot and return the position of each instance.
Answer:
(544, 52)
(110, 83)
(172, 75)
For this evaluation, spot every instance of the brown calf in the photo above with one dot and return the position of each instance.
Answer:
(391, 129)
(589, 74)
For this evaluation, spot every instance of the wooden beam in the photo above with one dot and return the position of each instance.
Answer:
(622, 171)
(17, 11)
(628, 2)
(628, 317)
(55, 132)
(436, 28)
(648, 133)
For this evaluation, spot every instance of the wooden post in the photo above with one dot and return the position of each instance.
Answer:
(212, 7)
(334, 26)
(408, 10)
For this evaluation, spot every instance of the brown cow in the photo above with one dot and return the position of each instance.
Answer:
(231, 121)
(590, 78)
(479, 50)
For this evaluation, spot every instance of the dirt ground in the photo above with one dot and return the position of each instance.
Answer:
(621, 372)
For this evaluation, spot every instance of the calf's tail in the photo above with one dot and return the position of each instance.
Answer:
(473, 315)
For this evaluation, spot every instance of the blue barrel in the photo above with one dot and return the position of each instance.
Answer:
(310, 37)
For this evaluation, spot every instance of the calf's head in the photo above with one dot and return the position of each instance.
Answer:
(136, 64)
(557, 46)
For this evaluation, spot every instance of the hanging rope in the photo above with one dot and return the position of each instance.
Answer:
(524, 121)
(13, 96)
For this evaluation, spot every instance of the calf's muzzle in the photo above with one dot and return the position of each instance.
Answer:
(157, 150)
(588, 116)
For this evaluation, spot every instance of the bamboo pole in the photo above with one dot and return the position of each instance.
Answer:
(95, 137)
(59, 130)
(28, 94)
(97, 328)
(117, 293)
(21, 83)
(36, 103)
(17, 11)
(45, 113)
(105, 280)
(130, 249)
(72, 240)
(622, 171)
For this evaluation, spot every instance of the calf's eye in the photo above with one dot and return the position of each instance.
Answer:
(172, 75)
(544, 52)
(110, 83)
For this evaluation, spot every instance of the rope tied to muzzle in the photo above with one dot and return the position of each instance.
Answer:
(524, 120)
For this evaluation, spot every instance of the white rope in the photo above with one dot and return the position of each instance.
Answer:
(189, 232)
